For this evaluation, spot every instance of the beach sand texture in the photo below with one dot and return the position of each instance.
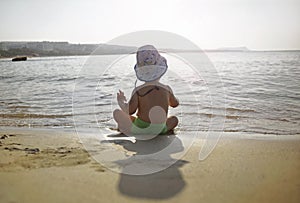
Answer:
(39, 166)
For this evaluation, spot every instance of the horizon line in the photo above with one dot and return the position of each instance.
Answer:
(222, 48)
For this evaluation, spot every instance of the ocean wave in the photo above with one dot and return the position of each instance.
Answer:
(27, 115)
(231, 109)
(7, 77)
(65, 79)
(210, 115)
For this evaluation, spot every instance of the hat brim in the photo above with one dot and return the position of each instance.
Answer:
(150, 72)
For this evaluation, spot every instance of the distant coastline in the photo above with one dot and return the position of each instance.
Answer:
(9, 49)
(46, 48)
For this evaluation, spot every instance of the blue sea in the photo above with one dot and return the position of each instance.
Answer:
(251, 92)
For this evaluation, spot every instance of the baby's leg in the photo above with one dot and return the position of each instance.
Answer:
(171, 122)
(124, 121)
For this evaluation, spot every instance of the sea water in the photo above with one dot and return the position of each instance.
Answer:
(260, 91)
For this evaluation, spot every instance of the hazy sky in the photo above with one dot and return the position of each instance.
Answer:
(257, 24)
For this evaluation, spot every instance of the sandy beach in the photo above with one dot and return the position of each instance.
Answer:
(42, 166)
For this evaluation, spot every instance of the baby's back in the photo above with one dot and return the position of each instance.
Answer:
(150, 96)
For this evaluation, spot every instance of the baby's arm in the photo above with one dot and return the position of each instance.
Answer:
(173, 101)
(133, 103)
(122, 101)
(129, 107)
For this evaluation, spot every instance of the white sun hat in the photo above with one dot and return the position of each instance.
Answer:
(150, 64)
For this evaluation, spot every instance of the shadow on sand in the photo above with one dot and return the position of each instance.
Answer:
(163, 184)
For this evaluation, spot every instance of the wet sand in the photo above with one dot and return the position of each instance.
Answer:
(38, 166)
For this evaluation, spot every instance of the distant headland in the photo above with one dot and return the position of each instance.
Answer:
(47, 48)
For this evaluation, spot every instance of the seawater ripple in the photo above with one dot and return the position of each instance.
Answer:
(262, 92)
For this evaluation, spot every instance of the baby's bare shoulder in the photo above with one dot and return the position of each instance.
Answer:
(137, 89)
(167, 87)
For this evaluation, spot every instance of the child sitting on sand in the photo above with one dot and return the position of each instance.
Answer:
(151, 100)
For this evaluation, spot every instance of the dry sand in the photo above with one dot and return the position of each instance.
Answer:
(38, 166)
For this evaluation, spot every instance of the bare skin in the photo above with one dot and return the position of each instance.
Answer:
(150, 102)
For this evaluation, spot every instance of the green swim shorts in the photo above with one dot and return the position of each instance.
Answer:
(141, 127)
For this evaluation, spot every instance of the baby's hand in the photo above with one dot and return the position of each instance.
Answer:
(120, 97)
